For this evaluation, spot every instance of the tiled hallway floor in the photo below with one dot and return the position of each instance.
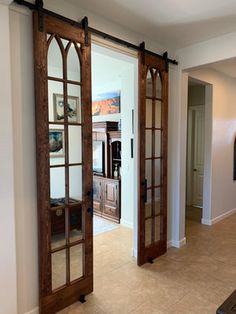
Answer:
(194, 279)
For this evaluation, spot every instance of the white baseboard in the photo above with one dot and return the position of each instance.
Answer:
(126, 223)
(177, 244)
(134, 253)
(210, 222)
(34, 311)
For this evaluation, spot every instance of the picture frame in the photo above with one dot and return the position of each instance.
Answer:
(73, 108)
(56, 143)
(106, 103)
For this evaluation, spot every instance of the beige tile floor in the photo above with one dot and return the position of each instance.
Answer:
(194, 279)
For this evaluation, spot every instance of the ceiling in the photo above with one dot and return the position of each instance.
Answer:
(227, 67)
(174, 23)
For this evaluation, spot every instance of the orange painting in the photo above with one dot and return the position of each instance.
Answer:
(104, 104)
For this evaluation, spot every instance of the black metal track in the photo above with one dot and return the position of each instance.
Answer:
(94, 31)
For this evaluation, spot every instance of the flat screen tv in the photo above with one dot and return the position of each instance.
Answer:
(98, 157)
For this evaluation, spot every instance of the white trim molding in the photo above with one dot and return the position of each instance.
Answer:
(210, 222)
(177, 244)
(34, 311)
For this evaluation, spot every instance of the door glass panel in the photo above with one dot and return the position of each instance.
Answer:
(157, 172)
(158, 85)
(75, 214)
(65, 42)
(157, 198)
(148, 172)
(157, 114)
(148, 232)
(148, 113)
(58, 237)
(75, 184)
(148, 204)
(149, 84)
(75, 144)
(56, 145)
(148, 143)
(74, 103)
(73, 64)
(55, 101)
(76, 262)
(157, 232)
(58, 269)
(157, 143)
(55, 66)
(57, 184)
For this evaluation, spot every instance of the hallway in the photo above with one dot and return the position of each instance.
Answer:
(194, 279)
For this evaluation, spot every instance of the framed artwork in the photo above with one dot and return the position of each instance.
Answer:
(56, 143)
(73, 108)
(106, 103)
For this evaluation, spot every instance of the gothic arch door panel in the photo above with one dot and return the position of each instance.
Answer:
(64, 162)
(153, 111)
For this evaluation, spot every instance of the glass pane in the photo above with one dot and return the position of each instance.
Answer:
(157, 235)
(55, 101)
(149, 84)
(75, 183)
(148, 172)
(158, 86)
(56, 145)
(148, 232)
(148, 143)
(75, 144)
(148, 113)
(58, 237)
(158, 114)
(158, 143)
(76, 262)
(76, 223)
(57, 184)
(73, 65)
(58, 269)
(74, 103)
(65, 42)
(157, 197)
(157, 172)
(55, 67)
(148, 204)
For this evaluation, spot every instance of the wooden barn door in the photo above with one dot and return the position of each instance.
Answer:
(64, 162)
(153, 111)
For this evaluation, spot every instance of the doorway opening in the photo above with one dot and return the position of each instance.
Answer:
(114, 101)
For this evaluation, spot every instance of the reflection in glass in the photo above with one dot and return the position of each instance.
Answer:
(157, 197)
(57, 183)
(58, 237)
(73, 65)
(55, 67)
(158, 114)
(157, 172)
(75, 144)
(74, 103)
(157, 235)
(148, 143)
(55, 101)
(56, 145)
(158, 85)
(157, 143)
(148, 113)
(148, 172)
(148, 204)
(76, 262)
(75, 184)
(149, 84)
(148, 232)
(76, 224)
(58, 269)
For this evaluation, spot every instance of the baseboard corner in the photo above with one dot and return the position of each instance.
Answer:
(34, 311)
(176, 243)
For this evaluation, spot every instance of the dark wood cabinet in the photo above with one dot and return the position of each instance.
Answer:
(106, 198)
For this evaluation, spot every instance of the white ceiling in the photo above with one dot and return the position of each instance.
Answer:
(227, 67)
(174, 23)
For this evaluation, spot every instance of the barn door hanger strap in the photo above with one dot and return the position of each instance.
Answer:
(84, 23)
(39, 6)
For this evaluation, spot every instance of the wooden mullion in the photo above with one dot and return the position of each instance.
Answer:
(66, 246)
(153, 161)
(65, 123)
(154, 98)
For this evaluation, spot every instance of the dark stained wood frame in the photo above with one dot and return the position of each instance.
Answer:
(53, 301)
(156, 249)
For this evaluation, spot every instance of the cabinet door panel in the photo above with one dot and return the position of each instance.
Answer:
(111, 193)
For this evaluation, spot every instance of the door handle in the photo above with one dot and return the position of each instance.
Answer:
(144, 183)
(194, 169)
(90, 211)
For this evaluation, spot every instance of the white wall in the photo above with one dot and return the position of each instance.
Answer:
(8, 289)
(223, 135)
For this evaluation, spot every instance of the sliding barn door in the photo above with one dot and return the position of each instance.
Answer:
(64, 162)
(153, 110)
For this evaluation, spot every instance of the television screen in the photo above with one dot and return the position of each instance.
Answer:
(98, 151)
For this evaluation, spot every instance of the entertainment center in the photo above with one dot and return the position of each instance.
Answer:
(106, 170)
